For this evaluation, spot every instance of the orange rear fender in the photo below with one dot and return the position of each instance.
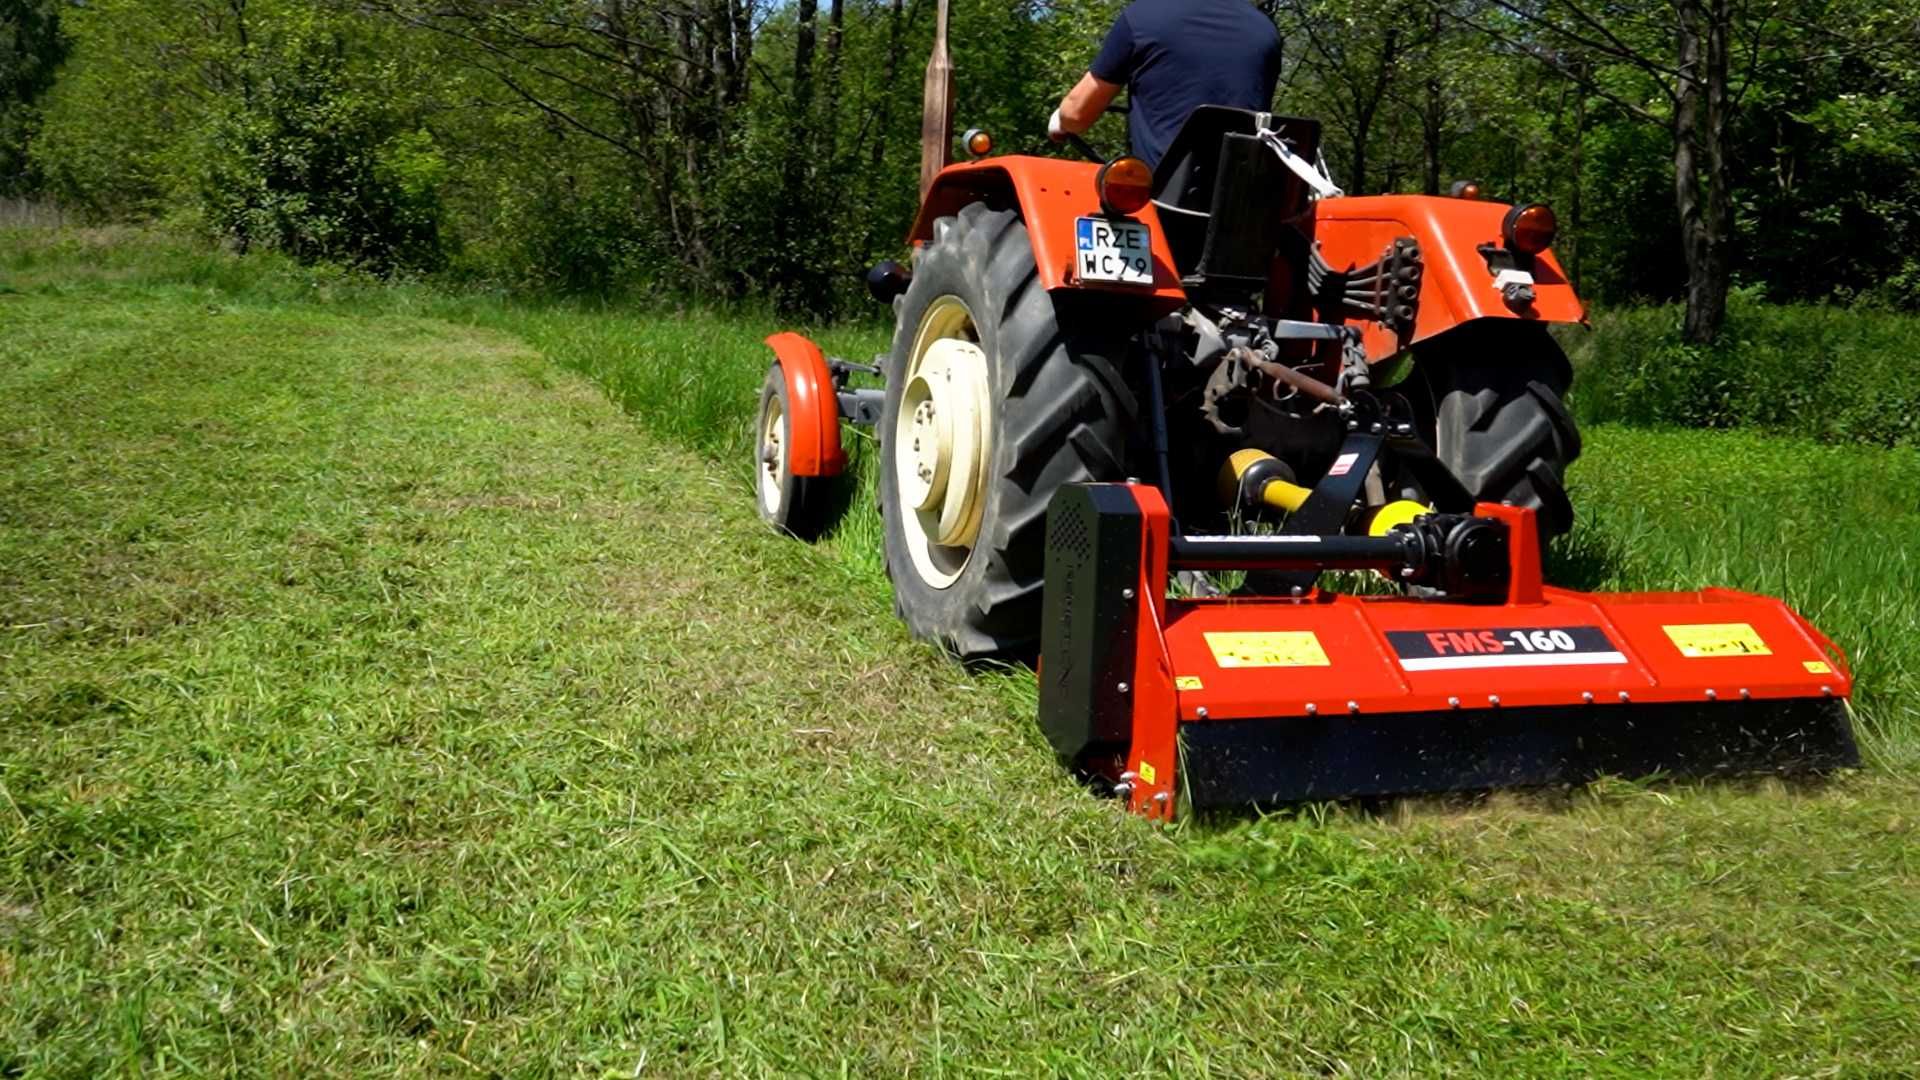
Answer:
(1051, 194)
(1457, 287)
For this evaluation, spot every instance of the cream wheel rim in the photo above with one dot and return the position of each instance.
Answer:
(773, 457)
(942, 443)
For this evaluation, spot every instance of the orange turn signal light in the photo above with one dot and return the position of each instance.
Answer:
(1125, 185)
(978, 143)
(1465, 189)
(1530, 229)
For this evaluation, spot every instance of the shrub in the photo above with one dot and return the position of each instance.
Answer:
(313, 166)
(1832, 373)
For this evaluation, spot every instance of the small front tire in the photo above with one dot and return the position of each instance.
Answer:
(796, 505)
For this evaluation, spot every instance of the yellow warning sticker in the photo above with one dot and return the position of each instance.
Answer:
(1146, 772)
(1267, 648)
(1189, 682)
(1817, 667)
(1717, 639)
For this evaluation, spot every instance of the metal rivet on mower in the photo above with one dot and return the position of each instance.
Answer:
(1453, 703)
(1353, 706)
(1624, 696)
(1122, 688)
(1129, 776)
(1312, 709)
(1123, 790)
(1493, 700)
(1586, 696)
(1201, 712)
(1299, 592)
(1746, 694)
(1161, 796)
(1126, 594)
(1712, 694)
(1827, 690)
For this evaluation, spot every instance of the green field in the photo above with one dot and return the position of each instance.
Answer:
(377, 696)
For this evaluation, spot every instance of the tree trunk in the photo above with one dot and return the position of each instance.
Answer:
(1367, 107)
(883, 124)
(740, 44)
(1686, 168)
(796, 281)
(1699, 131)
(1576, 212)
(805, 13)
(1717, 219)
(1433, 110)
(836, 30)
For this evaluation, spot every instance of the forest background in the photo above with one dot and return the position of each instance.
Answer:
(1700, 152)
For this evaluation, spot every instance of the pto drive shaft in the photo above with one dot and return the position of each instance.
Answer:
(1461, 555)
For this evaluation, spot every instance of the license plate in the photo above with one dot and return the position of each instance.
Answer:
(1114, 252)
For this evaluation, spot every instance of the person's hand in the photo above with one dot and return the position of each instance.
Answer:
(1056, 130)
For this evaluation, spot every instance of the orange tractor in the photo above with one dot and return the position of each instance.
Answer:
(1114, 390)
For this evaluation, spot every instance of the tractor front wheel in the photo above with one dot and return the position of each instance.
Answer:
(990, 407)
(799, 505)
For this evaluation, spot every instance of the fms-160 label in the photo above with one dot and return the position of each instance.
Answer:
(1506, 646)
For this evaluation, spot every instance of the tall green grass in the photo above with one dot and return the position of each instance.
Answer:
(1829, 373)
(1690, 510)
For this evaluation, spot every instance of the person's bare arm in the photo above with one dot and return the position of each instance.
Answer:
(1082, 106)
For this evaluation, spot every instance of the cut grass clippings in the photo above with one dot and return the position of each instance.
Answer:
(375, 698)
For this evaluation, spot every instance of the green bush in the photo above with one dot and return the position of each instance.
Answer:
(311, 165)
(1831, 373)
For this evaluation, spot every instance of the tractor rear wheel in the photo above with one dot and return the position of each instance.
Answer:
(990, 407)
(1491, 394)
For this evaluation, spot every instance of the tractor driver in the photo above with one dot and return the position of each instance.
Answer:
(1174, 56)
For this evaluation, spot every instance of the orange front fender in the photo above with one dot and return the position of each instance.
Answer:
(813, 407)
(1457, 286)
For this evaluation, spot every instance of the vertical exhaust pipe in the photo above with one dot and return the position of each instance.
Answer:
(936, 113)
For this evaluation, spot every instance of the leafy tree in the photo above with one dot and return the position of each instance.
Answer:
(277, 122)
(32, 48)
(306, 163)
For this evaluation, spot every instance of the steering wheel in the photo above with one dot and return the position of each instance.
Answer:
(1086, 148)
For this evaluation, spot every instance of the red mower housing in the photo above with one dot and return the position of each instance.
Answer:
(1281, 699)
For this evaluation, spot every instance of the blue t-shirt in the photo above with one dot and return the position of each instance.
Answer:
(1176, 55)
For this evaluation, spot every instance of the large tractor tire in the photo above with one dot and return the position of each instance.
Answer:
(1492, 396)
(990, 407)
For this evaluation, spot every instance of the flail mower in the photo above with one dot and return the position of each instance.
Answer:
(1131, 417)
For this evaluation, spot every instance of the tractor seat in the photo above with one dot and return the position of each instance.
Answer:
(1224, 198)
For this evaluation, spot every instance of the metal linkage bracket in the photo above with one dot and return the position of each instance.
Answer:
(858, 406)
(1386, 290)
